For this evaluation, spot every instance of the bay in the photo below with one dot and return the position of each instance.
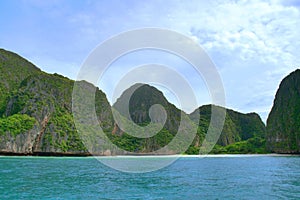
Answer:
(229, 177)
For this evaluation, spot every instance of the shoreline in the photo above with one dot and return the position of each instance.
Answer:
(135, 155)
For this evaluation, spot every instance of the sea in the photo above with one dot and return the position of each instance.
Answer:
(212, 177)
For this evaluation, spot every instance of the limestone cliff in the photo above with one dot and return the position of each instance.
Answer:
(36, 117)
(283, 124)
(44, 100)
(237, 126)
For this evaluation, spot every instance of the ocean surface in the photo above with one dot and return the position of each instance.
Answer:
(238, 177)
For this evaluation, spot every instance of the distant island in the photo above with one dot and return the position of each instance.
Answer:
(36, 118)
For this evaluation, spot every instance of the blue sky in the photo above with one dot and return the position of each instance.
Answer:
(254, 44)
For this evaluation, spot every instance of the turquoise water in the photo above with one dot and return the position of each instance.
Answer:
(259, 177)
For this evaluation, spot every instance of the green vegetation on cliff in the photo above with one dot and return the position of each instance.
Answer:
(29, 96)
(16, 124)
(142, 98)
(254, 145)
(36, 116)
(283, 124)
(244, 133)
(13, 70)
(240, 134)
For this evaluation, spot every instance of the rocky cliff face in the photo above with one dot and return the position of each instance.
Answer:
(36, 117)
(136, 104)
(142, 99)
(237, 126)
(13, 70)
(47, 100)
(283, 124)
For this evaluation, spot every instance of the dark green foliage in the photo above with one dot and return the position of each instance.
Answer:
(51, 97)
(62, 134)
(34, 101)
(143, 97)
(13, 70)
(26, 91)
(192, 150)
(283, 124)
(254, 145)
(16, 124)
(141, 145)
(248, 125)
(237, 126)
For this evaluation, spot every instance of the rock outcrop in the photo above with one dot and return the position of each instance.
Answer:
(47, 99)
(283, 124)
(237, 126)
(36, 117)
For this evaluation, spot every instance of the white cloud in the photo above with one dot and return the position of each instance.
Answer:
(253, 43)
(253, 30)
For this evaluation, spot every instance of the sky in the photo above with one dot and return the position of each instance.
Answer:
(253, 44)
